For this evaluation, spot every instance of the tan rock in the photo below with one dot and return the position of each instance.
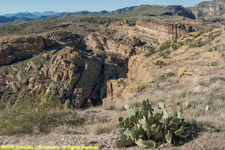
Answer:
(17, 48)
(164, 31)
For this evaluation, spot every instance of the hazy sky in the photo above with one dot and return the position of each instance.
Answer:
(13, 6)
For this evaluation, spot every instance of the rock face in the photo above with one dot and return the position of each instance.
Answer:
(119, 23)
(164, 31)
(210, 9)
(66, 75)
(179, 11)
(101, 42)
(67, 38)
(22, 47)
(66, 67)
(184, 67)
(84, 78)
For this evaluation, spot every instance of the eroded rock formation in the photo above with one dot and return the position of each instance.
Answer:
(17, 48)
(162, 30)
(66, 75)
(98, 42)
(210, 9)
(188, 66)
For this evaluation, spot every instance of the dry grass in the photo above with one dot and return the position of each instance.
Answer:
(65, 129)
(100, 121)
(101, 126)
(212, 94)
(29, 118)
(35, 122)
(119, 105)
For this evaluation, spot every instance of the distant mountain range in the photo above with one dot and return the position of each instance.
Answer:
(4, 20)
(32, 16)
(207, 10)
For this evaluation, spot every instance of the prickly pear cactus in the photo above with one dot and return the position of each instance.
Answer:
(145, 127)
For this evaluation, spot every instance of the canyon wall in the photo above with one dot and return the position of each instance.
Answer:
(162, 30)
(17, 48)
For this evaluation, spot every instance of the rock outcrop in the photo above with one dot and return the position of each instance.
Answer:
(17, 48)
(65, 75)
(179, 11)
(162, 30)
(66, 38)
(100, 42)
(210, 9)
(119, 23)
(187, 66)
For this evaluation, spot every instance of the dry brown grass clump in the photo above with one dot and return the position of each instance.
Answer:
(100, 126)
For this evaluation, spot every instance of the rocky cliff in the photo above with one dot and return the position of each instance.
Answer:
(18, 48)
(210, 9)
(120, 38)
(162, 30)
(56, 70)
(66, 67)
(179, 11)
(188, 66)
(73, 69)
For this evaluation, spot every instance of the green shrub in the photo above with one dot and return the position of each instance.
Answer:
(199, 34)
(214, 35)
(170, 74)
(188, 41)
(160, 63)
(150, 52)
(164, 54)
(176, 45)
(29, 118)
(37, 121)
(166, 75)
(146, 126)
(197, 43)
(210, 50)
(209, 30)
(164, 46)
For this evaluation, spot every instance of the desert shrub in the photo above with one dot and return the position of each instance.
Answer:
(164, 46)
(209, 30)
(197, 43)
(210, 50)
(160, 63)
(170, 74)
(188, 41)
(164, 54)
(214, 35)
(28, 118)
(150, 51)
(176, 45)
(166, 75)
(37, 121)
(199, 34)
(146, 126)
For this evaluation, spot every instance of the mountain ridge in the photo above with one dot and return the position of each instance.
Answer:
(32, 16)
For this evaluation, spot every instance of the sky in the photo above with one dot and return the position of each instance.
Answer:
(14, 6)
